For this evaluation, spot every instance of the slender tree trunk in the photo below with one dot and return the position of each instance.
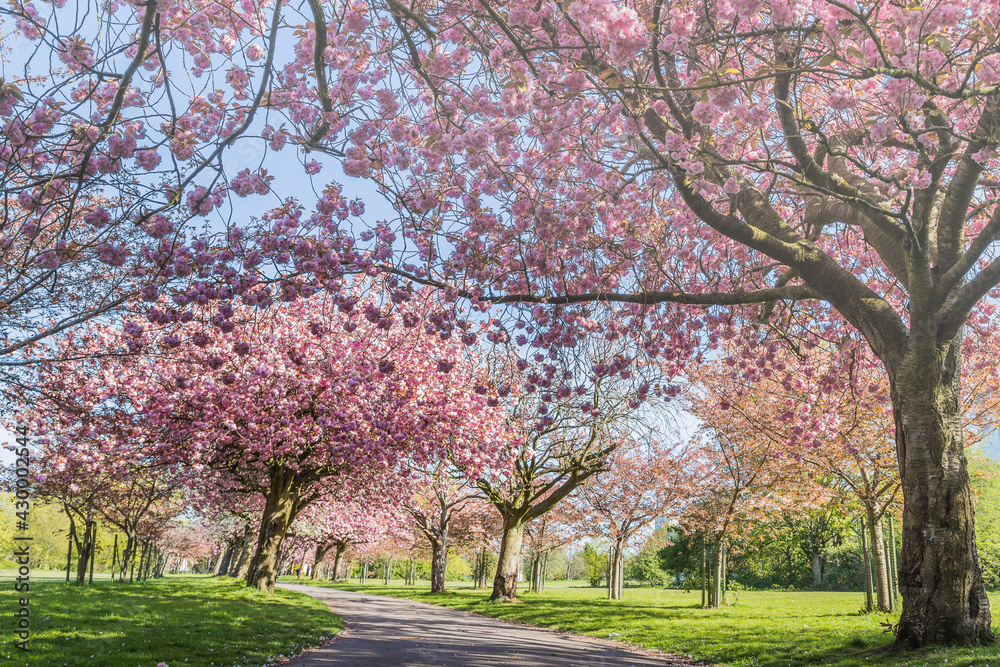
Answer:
(866, 560)
(509, 563)
(544, 569)
(894, 569)
(161, 567)
(114, 559)
(617, 552)
(69, 550)
(944, 599)
(126, 558)
(536, 570)
(84, 551)
(439, 563)
(93, 553)
(704, 583)
(880, 571)
(817, 569)
(715, 600)
(725, 573)
(279, 511)
(609, 574)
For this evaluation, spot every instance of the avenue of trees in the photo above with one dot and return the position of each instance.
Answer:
(789, 205)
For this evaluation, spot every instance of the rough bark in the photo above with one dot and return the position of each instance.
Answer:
(338, 559)
(944, 599)
(279, 511)
(509, 563)
(240, 565)
(320, 554)
(222, 565)
(85, 550)
(439, 563)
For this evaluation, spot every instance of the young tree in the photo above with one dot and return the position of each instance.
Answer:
(545, 535)
(640, 483)
(437, 498)
(555, 458)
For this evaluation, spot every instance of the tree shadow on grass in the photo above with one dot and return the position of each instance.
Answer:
(115, 624)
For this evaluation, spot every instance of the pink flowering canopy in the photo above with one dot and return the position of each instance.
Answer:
(317, 384)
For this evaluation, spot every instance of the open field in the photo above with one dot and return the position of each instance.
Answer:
(180, 620)
(762, 629)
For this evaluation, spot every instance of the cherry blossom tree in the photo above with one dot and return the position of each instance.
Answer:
(795, 164)
(639, 484)
(546, 534)
(788, 164)
(126, 159)
(320, 390)
(436, 500)
(833, 415)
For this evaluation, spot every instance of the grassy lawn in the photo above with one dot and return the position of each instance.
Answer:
(179, 620)
(767, 629)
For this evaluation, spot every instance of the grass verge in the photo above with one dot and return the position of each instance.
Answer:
(178, 620)
(763, 629)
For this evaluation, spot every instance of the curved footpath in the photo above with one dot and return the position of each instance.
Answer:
(389, 631)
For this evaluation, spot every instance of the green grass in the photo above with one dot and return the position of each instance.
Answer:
(179, 620)
(765, 629)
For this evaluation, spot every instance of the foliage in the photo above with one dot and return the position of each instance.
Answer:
(595, 563)
(986, 480)
(644, 567)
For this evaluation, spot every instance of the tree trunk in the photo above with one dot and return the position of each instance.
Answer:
(126, 557)
(279, 511)
(439, 564)
(222, 565)
(944, 599)
(543, 571)
(509, 563)
(880, 571)
(239, 566)
(84, 551)
(715, 600)
(93, 553)
(617, 556)
(817, 568)
(69, 550)
(318, 558)
(893, 559)
(704, 582)
(866, 560)
(338, 559)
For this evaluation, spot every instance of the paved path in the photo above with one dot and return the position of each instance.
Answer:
(389, 631)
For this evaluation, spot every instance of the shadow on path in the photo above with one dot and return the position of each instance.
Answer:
(390, 631)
